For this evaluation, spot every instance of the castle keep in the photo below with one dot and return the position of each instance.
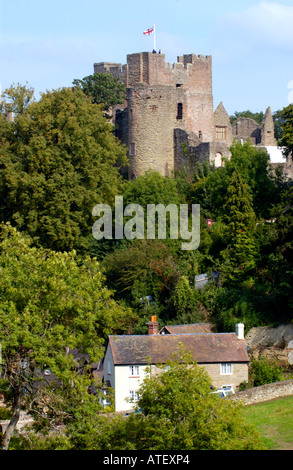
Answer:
(168, 120)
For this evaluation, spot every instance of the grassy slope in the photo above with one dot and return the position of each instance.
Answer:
(274, 421)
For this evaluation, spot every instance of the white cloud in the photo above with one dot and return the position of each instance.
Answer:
(265, 22)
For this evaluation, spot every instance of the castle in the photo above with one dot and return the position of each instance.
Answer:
(168, 120)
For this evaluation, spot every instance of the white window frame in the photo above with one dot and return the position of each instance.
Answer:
(133, 371)
(133, 395)
(226, 368)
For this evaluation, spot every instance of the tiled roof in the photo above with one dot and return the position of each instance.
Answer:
(157, 349)
(191, 328)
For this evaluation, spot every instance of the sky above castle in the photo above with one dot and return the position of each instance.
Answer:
(49, 44)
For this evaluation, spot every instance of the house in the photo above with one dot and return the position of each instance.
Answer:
(128, 357)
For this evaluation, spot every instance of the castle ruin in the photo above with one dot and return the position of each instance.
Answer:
(168, 120)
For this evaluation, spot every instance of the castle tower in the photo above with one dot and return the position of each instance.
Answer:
(160, 100)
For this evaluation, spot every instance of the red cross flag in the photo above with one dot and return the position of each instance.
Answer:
(148, 31)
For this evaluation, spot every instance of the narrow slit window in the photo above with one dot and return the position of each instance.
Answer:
(132, 149)
(179, 111)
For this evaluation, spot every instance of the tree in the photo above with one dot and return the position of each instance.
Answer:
(58, 160)
(258, 117)
(152, 188)
(241, 253)
(142, 268)
(49, 302)
(103, 89)
(254, 166)
(185, 300)
(188, 414)
(176, 411)
(286, 140)
(17, 99)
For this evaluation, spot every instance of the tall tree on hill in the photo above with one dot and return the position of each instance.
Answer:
(241, 253)
(58, 159)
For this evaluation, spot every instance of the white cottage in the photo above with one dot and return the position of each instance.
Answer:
(224, 355)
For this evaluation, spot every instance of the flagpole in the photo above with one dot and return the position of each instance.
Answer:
(155, 38)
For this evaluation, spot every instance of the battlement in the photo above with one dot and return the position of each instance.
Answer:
(191, 71)
(115, 69)
(193, 59)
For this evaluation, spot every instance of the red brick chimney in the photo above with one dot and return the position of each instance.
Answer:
(153, 326)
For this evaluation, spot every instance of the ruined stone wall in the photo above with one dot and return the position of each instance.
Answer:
(268, 130)
(189, 151)
(247, 129)
(222, 127)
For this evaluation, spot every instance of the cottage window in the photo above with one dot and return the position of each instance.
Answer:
(133, 395)
(106, 400)
(109, 368)
(226, 368)
(134, 371)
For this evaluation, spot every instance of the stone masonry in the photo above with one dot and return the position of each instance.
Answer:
(168, 120)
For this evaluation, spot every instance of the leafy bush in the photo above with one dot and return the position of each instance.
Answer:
(263, 372)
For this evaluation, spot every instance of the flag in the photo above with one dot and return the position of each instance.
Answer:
(148, 31)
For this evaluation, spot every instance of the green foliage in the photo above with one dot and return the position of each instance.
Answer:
(151, 188)
(48, 302)
(258, 117)
(103, 89)
(56, 164)
(286, 124)
(188, 415)
(5, 413)
(253, 165)
(263, 372)
(141, 268)
(16, 99)
(186, 302)
(178, 412)
(279, 121)
(239, 258)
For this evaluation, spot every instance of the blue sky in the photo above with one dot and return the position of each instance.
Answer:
(48, 44)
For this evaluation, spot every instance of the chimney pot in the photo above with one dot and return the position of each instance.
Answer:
(153, 326)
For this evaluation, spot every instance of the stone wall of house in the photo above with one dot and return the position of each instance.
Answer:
(265, 392)
(240, 374)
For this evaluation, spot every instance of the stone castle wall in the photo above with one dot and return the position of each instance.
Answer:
(168, 120)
